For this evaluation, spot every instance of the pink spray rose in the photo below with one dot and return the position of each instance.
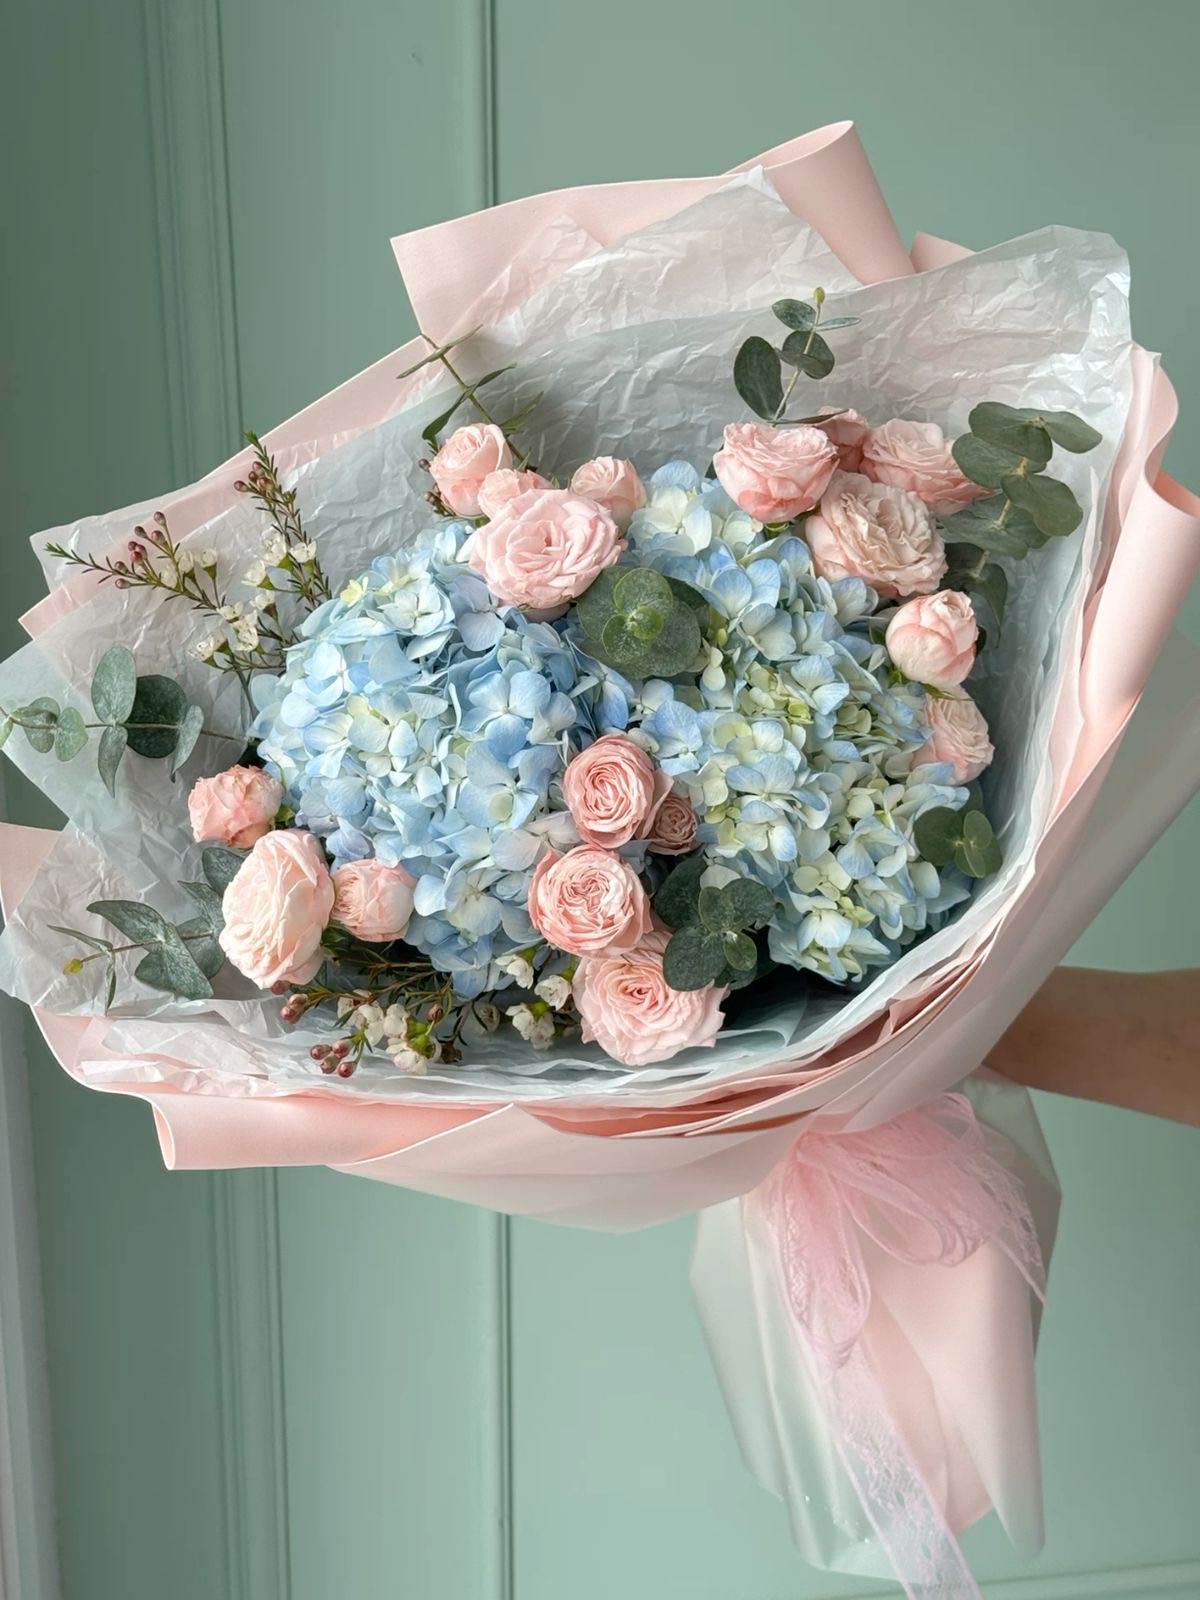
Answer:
(613, 791)
(673, 828)
(957, 734)
(875, 532)
(916, 456)
(498, 488)
(627, 1006)
(932, 638)
(612, 483)
(588, 901)
(775, 473)
(469, 456)
(277, 908)
(847, 429)
(544, 547)
(373, 901)
(236, 807)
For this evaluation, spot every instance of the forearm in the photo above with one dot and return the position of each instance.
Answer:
(1125, 1038)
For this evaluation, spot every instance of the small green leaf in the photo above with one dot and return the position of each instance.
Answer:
(70, 735)
(110, 982)
(708, 903)
(202, 946)
(221, 865)
(170, 966)
(978, 860)
(190, 730)
(1020, 431)
(677, 901)
(840, 322)
(108, 755)
(596, 604)
(809, 353)
(521, 417)
(641, 586)
(6, 727)
(39, 720)
(936, 832)
(1050, 503)
(756, 376)
(624, 648)
(741, 952)
(208, 903)
(430, 432)
(694, 958)
(744, 903)
(136, 921)
(114, 684)
(1070, 432)
(796, 314)
(979, 524)
(984, 463)
(84, 938)
(158, 700)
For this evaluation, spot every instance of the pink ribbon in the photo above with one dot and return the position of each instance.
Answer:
(929, 1188)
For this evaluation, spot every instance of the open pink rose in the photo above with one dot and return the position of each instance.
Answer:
(498, 488)
(544, 547)
(612, 483)
(468, 457)
(932, 638)
(236, 807)
(875, 532)
(847, 429)
(373, 901)
(613, 790)
(588, 901)
(775, 473)
(916, 456)
(276, 909)
(958, 734)
(627, 1006)
(673, 828)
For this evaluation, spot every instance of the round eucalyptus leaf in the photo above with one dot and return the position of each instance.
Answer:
(39, 719)
(641, 586)
(114, 684)
(980, 524)
(1020, 431)
(984, 463)
(796, 314)
(936, 832)
(756, 376)
(1070, 432)
(694, 958)
(741, 952)
(1051, 504)
(809, 353)
(162, 704)
(70, 735)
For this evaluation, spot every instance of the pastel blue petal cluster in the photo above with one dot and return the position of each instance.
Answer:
(420, 722)
(796, 742)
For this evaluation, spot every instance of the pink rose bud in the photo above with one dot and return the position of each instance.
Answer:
(612, 483)
(588, 901)
(871, 531)
(673, 828)
(373, 901)
(627, 1006)
(932, 638)
(847, 429)
(916, 456)
(613, 790)
(498, 488)
(236, 807)
(775, 473)
(276, 909)
(468, 456)
(957, 734)
(543, 548)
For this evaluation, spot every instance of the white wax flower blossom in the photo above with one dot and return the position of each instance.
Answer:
(254, 574)
(246, 633)
(207, 557)
(487, 1015)
(306, 550)
(535, 1030)
(411, 1062)
(206, 648)
(345, 1006)
(184, 560)
(555, 991)
(263, 599)
(274, 545)
(395, 1022)
(231, 613)
(519, 968)
(369, 1019)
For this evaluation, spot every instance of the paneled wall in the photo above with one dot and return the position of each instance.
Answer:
(301, 1386)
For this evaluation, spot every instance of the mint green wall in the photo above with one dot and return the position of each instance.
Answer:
(302, 1386)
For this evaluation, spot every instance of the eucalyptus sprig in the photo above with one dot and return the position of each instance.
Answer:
(965, 838)
(758, 365)
(641, 622)
(469, 395)
(1008, 450)
(148, 714)
(711, 941)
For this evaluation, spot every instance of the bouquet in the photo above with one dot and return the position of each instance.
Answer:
(639, 746)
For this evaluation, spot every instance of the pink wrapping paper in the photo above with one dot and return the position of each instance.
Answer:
(626, 1167)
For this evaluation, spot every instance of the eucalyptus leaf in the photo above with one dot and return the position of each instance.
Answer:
(596, 604)
(221, 865)
(757, 378)
(162, 703)
(190, 730)
(623, 647)
(208, 903)
(84, 938)
(1070, 432)
(984, 463)
(743, 903)
(796, 314)
(1051, 504)
(39, 720)
(694, 958)
(108, 755)
(6, 727)
(641, 586)
(114, 684)
(840, 322)
(110, 981)
(936, 832)
(431, 431)
(70, 735)
(690, 597)
(136, 921)
(741, 952)
(202, 946)
(1020, 431)
(677, 901)
(170, 966)
(979, 524)
(675, 648)
(809, 353)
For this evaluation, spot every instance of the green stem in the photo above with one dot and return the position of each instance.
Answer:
(818, 301)
(470, 392)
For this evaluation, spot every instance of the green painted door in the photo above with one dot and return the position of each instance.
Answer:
(298, 1385)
